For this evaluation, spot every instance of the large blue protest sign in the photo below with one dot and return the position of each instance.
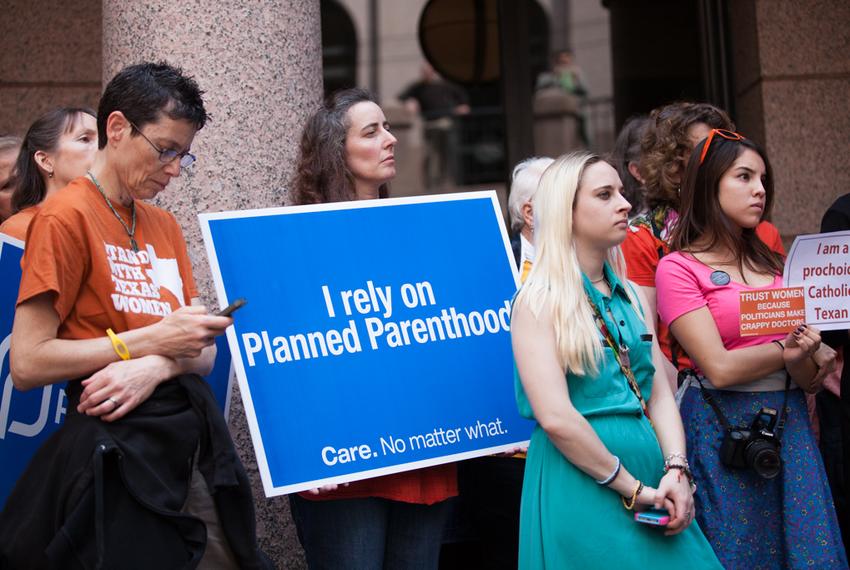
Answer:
(27, 419)
(376, 335)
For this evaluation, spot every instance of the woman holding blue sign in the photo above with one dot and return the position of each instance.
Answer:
(762, 491)
(586, 362)
(395, 521)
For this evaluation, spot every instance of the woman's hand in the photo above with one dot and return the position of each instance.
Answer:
(325, 489)
(800, 344)
(674, 495)
(187, 331)
(824, 358)
(114, 391)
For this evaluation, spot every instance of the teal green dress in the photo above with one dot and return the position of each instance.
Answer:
(566, 519)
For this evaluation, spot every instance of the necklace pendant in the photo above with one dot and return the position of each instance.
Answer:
(133, 244)
(624, 357)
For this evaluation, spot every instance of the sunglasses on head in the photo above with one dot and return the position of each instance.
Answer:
(728, 135)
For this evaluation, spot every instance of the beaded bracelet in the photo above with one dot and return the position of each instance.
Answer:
(687, 472)
(607, 481)
(630, 504)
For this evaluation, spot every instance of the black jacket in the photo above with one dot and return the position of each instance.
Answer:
(109, 495)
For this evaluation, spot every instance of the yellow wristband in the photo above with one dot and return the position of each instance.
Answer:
(120, 348)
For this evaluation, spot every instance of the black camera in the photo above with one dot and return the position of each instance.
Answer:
(756, 447)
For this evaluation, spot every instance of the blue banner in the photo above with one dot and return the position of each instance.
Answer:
(27, 419)
(375, 338)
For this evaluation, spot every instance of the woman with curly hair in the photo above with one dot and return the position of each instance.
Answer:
(395, 521)
(673, 131)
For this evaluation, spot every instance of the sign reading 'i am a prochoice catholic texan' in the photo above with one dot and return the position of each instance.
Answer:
(376, 334)
(820, 264)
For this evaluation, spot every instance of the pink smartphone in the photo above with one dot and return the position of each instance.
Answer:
(653, 517)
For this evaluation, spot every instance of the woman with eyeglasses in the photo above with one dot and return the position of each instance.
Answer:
(762, 495)
(143, 472)
(672, 133)
(396, 522)
(58, 147)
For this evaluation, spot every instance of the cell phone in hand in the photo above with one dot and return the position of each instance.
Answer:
(231, 308)
(654, 517)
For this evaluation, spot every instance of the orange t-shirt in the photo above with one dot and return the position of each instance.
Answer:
(641, 252)
(16, 226)
(78, 249)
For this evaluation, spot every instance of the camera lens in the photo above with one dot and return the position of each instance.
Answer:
(763, 458)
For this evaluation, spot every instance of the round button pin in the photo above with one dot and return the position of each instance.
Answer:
(719, 278)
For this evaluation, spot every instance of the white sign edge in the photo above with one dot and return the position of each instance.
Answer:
(236, 362)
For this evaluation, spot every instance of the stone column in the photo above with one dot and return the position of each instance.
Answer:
(792, 77)
(259, 62)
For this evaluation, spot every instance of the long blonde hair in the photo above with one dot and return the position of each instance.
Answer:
(555, 281)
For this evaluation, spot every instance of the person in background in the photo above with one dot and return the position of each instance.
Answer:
(762, 495)
(9, 148)
(491, 487)
(395, 521)
(625, 157)
(524, 182)
(585, 373)
(438, 102)
(143, 472)
(567, 77)
(833, 410)
(58, 147)
(671, 135)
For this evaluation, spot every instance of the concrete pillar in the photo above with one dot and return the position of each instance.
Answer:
(49, 56)
(792, 77)
(259, 62)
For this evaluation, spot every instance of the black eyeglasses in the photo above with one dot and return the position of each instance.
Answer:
(167, 155)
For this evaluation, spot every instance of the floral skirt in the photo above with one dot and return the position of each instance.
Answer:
(754, 523)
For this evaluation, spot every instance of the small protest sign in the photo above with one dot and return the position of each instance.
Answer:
(772, 311)
(820, 264)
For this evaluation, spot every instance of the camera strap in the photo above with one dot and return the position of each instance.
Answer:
(721, 417)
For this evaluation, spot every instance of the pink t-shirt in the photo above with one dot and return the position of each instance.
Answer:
(684, 285)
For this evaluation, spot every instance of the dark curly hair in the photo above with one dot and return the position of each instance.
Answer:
(322, 174)
(665, 145)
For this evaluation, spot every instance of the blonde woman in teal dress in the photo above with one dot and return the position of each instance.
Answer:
(586, 362)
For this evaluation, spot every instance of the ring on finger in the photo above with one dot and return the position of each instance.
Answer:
(115, 402)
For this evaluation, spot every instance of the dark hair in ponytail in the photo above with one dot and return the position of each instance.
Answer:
(43, 135)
